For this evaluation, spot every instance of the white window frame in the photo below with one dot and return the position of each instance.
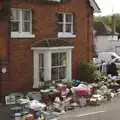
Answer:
(20, 33)
(48, 63)
(64, 23)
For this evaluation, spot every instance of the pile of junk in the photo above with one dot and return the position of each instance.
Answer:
(49, 103)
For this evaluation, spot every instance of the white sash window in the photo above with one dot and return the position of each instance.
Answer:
(21, 22)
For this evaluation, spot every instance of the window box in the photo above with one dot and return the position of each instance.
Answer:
(21, 35)
(66, 35)
(54, 0)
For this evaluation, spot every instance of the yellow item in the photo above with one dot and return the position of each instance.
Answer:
(42, 117)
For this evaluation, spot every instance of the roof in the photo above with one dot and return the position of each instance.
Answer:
(53, 42)
(102, 29)
(95, 6)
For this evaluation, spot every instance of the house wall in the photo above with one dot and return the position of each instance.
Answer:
(4, 47)
(106, 43)
(45, 26)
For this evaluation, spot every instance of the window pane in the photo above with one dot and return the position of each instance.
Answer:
(15, 14)
(26, 20)
(41, 74)
(60, 17)
(14, 26)
(62, 72)
(15, 20)
(55, 59)
(54, 74)
(68, 28)
(26, 14)
(41, 60)
(26, 27)
(41, 67)
(60, 27)
(68, 17)
(62, 59)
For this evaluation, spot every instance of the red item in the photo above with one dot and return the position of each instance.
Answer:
(83, 91)
(29, 117)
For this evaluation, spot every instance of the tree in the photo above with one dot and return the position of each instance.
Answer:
(108, 20)
(105, 19)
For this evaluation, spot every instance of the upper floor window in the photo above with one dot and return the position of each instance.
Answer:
(21, 22)
(65, 24)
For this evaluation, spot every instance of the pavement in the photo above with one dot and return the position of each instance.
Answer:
(4, 112)
(106, 111)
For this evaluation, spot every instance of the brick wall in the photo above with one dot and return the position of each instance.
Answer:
(44, 26)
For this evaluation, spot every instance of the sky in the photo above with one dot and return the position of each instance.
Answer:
(108, 7)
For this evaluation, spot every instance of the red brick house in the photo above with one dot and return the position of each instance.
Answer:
(42, 40)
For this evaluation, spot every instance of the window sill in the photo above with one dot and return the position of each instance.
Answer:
(66, 35)
(22, 35)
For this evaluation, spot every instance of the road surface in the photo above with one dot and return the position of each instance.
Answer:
(107, 111)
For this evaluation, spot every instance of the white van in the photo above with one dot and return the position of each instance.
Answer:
(107, 57)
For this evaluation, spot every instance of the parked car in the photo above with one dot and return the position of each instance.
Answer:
(107, 57)
(117, 62)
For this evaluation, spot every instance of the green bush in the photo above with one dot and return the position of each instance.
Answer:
(88, 72)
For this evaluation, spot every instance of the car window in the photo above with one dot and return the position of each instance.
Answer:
(112, 56)
(117, 60)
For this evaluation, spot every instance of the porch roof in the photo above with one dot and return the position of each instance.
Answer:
(53, 42)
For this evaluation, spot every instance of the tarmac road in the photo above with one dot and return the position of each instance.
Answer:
(107, 111)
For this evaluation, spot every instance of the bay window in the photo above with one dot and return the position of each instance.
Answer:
(51, 64)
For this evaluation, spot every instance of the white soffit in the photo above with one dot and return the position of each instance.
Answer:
(95, 6)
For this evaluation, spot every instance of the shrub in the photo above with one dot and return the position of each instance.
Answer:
(88, 72)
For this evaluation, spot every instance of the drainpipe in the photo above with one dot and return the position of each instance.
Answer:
(89, 31)
(5, 37)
